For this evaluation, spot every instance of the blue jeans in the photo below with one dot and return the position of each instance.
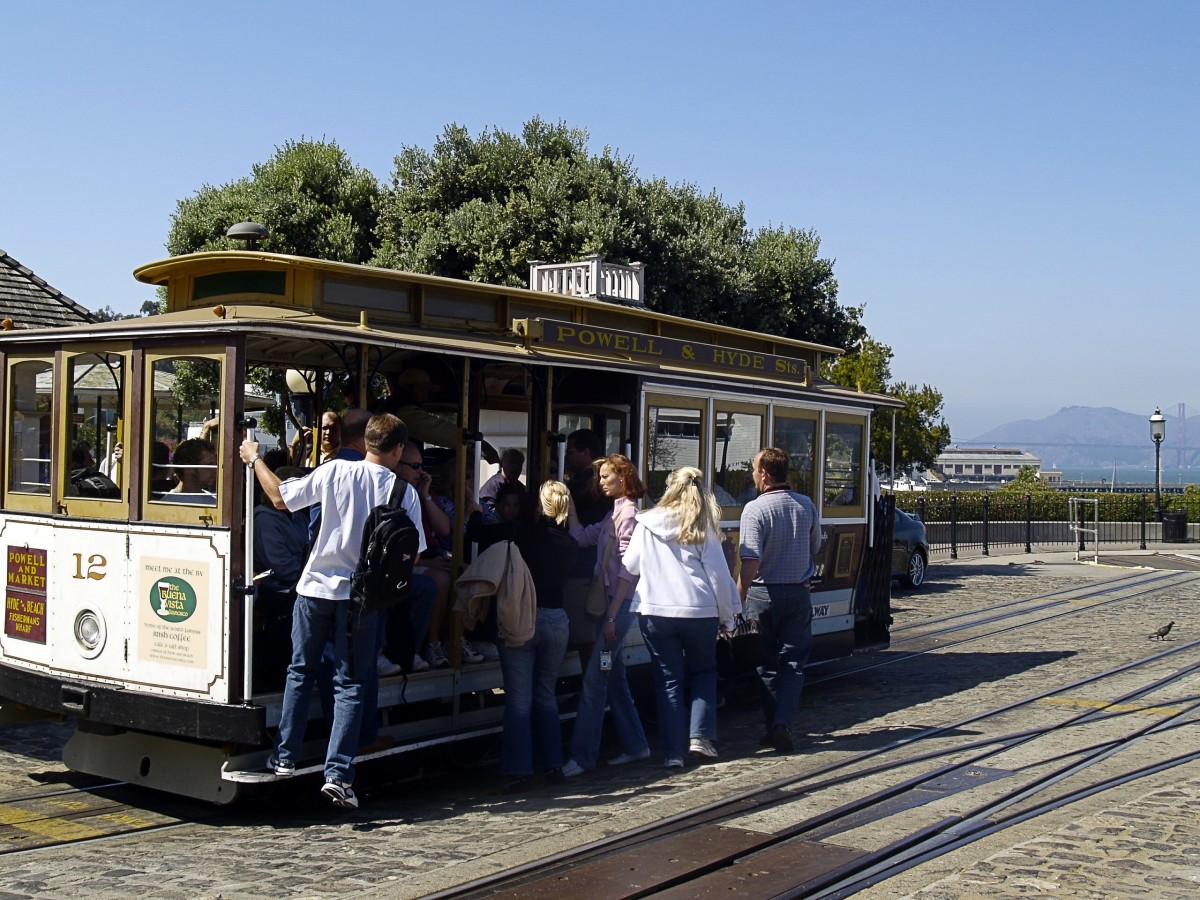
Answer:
(316, 622)
(684, 652)
(532, 733)
(424, 597)
(784, 614)
(607, 688)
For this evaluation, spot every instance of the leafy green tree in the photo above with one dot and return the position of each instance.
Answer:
(314, 202)
(921, 431)
(108, 314)
(483, 208)
(793, 291)
(1026, 482)
(868, 368)
(312, 198)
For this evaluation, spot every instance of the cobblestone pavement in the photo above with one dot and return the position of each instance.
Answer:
(410, 839)
(1146, 847)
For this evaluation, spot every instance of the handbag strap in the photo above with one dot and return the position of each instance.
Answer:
(612, 539)
(612, 544)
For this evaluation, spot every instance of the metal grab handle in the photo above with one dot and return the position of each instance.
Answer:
(248, 595)
(559, 442)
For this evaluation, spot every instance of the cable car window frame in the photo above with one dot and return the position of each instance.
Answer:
(96, 507)
(857, 509)
(721, 405)
(29, 501)
(801, 414)
(652, 400)
(185, 513)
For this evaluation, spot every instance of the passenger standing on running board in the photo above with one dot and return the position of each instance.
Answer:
(347, 492)
(780, 536)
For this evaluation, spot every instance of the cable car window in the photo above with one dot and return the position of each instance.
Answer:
(610, 422)
(30, 414)
(94, 422)
(738, 438)
(674, 438)
(843, 466)
(798, 436)
(614, 436)
(385, 297)
(248, 282)
(183, 457)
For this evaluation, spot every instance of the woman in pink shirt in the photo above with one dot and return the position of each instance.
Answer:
(604, 678)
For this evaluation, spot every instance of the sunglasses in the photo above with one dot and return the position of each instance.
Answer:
(417, 466)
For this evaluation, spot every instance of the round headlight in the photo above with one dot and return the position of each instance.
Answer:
(89, 633)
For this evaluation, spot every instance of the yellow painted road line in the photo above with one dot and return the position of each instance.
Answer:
(57, 829)
(64, 819)
(1113, 707)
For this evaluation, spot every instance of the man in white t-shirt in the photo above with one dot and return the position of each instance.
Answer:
(347, 492)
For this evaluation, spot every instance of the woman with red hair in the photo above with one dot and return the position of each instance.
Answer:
(604, 681)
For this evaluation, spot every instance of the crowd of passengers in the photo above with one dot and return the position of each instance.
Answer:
(522, 599)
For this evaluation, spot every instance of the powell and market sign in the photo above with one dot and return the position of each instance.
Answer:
(655, 348)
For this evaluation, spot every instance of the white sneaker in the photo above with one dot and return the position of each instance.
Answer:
(486, 649)
(419, 665)
(674, 763)
(468, 652)
(437, 655)
(572, 769)
(341, 794)
(629, 757)
(700, 746)
(386, 667)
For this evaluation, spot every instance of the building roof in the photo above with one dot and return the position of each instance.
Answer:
(985, 451)
(32, 303)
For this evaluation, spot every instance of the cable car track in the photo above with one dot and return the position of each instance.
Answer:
(35, 822)
(1145, 585)
(625, 857)
(1061, 595)
(846, 771)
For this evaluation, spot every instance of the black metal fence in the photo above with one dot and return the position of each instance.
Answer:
(983, 520)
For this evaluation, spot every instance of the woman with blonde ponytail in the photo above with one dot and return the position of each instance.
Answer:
(684, 594)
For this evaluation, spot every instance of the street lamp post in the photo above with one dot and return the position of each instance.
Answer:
(1158, 430)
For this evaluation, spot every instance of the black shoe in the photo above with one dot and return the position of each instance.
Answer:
(781, 739)
(555, 775)
(517, 785)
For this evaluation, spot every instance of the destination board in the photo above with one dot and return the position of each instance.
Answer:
(25, 596)
(655, 348)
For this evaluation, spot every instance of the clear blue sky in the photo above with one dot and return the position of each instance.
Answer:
(1009, 187)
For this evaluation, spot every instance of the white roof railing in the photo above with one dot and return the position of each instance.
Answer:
(592, 278)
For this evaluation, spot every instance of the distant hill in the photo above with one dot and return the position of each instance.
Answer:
(1093, 436)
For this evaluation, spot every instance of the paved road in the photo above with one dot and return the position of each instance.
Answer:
(453, 825)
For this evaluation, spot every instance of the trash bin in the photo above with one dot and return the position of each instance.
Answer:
(1174, 527)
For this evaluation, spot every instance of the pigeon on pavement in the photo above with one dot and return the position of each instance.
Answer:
(1161, 633)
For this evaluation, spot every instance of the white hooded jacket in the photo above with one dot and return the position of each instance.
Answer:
(686, 581)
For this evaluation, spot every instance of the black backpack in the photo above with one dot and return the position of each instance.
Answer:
(383, 577)
(94, 483)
